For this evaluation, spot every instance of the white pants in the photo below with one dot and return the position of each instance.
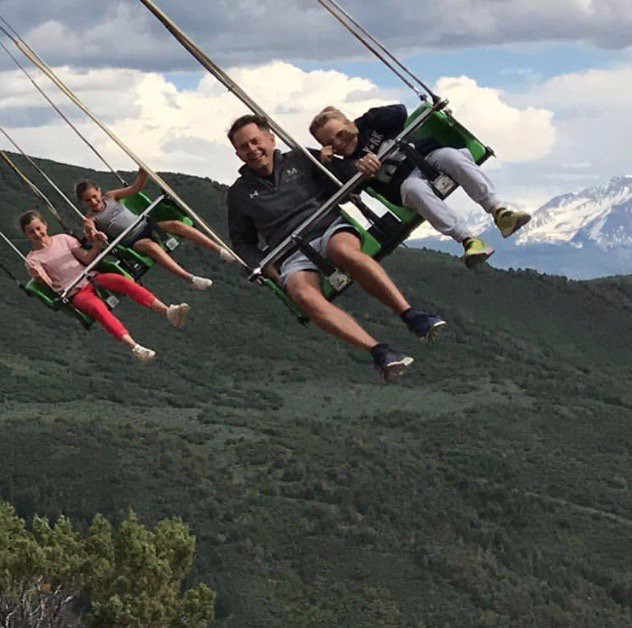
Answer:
(459, 165)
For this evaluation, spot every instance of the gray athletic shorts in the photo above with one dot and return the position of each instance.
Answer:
(299, 261)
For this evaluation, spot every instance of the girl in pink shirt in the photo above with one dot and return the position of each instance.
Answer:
(58, 260)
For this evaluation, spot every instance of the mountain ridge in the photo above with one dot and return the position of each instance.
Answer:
(487, 487)
(581, 235)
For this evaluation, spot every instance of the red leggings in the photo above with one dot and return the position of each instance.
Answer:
(88, 302)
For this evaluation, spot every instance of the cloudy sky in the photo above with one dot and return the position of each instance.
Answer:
(546, 83)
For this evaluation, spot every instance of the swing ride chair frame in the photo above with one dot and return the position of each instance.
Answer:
(44, 293)
(55, 300)
(385, 232)
(137, 263)
(121, 236)
(168, 207)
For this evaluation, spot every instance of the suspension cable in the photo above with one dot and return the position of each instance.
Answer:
(48, 179)
(376, 47)
(35, 190)
(13, 247)
(64, 117)
(233, 87)
(4, 268)
(37, 61)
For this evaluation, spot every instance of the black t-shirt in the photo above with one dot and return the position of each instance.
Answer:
(376, 126)
(382, 123)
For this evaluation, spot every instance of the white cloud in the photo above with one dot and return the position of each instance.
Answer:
(593, 126)
(181, 130)
(515, 134)
(119, 33)
(562, 134)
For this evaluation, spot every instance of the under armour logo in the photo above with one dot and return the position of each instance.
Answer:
(291, 172)
(253, 194)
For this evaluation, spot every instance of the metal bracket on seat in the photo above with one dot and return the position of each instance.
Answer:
(338, 279)
(440, 181)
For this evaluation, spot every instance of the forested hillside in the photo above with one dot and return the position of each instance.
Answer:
(490, 486)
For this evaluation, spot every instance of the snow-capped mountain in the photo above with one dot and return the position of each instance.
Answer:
(600, 216)
(581, 235)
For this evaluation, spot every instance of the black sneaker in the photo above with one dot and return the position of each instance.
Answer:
(389, 363)
(421, 324)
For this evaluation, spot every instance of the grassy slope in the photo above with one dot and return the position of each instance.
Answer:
(491, 486)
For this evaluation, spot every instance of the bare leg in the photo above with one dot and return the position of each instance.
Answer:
(304, 288)
(155, 251)
(129, 341)
(344, 251)
(159, 307)
(178, 228)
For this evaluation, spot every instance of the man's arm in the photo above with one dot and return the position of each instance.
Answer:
(242, 232)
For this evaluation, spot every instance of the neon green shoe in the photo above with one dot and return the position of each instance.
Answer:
(476, 252)
(509, 221)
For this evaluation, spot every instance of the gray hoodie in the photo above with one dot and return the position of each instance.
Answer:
(272, 208)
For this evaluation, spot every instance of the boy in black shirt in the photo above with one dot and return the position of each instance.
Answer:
(358, 143)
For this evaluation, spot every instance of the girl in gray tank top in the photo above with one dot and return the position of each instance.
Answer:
(107, 214)
(115, 218)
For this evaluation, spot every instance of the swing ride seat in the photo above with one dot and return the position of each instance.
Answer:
(383, 237)
(46, 295)
(165, 210)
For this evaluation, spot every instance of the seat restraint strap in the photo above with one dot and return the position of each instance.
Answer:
(335, 277)
(441, 182)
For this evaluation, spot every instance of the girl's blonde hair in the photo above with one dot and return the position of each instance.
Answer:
(321, 119)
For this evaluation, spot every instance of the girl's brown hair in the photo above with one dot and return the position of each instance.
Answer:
(28, 217)
(84, 185)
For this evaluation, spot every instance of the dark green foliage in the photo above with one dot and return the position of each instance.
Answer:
(54, 576)
(487, 487)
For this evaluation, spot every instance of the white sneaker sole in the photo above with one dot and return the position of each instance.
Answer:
(395, 369)
(200, 287)
(145, 359)
(435, 330)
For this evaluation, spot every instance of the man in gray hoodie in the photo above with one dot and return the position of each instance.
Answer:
(275, 193)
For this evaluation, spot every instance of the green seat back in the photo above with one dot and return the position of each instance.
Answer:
(112, 265)
(405, 214)
(128, 253)
(442, 127)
